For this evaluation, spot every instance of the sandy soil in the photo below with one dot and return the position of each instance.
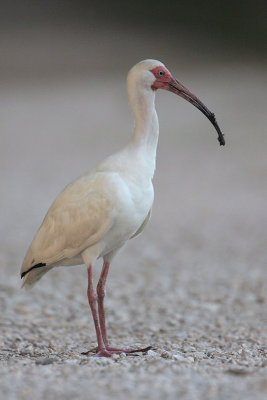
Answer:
(193, 285)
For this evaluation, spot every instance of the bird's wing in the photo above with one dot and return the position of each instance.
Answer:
(142, 227)
(79, 217)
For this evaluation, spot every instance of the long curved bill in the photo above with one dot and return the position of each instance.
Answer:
(177, 88)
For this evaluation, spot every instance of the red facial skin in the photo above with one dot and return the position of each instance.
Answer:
(161, 82)
(167, 82)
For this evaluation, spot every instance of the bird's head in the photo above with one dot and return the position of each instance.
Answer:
(154, 75)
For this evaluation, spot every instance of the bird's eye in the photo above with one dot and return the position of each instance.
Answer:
(161, 73)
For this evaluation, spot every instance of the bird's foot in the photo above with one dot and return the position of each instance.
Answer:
(116, 350)
(97, 353)
(102, 353)
(109, 350)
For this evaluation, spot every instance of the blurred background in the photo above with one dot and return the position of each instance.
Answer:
(199, 269)
(74, 37)
(64, 108)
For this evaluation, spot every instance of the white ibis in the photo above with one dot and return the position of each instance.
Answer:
(94, 216)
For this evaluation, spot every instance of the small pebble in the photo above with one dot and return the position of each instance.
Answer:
(179, 357)
(190, 359)
(238, 371)
(166, 354)
(152, 353)
(45, 361)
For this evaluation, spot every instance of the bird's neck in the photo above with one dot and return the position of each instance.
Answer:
(146, 129)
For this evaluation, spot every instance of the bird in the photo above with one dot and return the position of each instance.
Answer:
(95, 215)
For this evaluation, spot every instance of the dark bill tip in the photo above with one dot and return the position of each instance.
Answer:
(216, 126)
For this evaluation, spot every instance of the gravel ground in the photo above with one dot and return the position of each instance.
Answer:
(193, 285)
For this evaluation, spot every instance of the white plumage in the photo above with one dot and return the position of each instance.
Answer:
(97, 213)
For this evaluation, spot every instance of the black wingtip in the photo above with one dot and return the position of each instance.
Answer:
(35, 266)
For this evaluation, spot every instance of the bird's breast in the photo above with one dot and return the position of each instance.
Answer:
(133, 200)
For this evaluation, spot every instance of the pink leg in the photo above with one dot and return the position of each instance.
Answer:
(103, 349)
(92, 299)
(101, 312)
(100, 296)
